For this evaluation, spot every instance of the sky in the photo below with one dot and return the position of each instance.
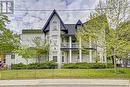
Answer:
(36, 19)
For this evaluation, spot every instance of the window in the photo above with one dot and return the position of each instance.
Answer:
(62, 53)
(12, 56)
(54, 52)
(54, 36)
(55, 43)
(55, 58)
(55, 22)
(62, 58)
(55, 28)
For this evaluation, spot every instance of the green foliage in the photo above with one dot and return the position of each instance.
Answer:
(85, 65)
(117, 42)
(3, 20)
(18, 66)
(25, 52)
(111, 32)
(93, 28)
(41, 47)
(44, 65)
(32, 31)
(8, 40)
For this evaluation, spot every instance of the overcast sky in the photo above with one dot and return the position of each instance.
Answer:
(36, 19)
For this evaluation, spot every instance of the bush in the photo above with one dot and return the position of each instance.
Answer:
(18, 66)
(85, 65)
(44, 65)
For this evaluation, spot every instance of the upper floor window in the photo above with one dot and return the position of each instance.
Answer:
(55, 22)
(54, 36)
(55, 52)
(55, 28)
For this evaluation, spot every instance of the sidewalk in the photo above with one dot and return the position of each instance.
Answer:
(40, 82)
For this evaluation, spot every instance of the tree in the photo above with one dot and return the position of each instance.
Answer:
(8, 40)
(116, 37)
(25, 52)
(124, 34)
(117, 12)
(41, 47)
(93, 31)
(116, 48)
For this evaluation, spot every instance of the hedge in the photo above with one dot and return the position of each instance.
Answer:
(85, 65)
(44, 65)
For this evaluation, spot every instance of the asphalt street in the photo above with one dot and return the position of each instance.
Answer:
(65, 83)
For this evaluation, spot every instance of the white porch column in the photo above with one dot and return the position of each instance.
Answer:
(90, 51)
(70, 51)
(80, 50)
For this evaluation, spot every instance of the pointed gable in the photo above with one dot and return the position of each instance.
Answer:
(47, 24)
(78, 24)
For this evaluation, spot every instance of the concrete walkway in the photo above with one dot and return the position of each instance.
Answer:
(63, 82)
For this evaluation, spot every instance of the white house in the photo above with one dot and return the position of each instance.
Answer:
(64, 48)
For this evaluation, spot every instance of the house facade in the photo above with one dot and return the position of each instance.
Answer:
(64, 47)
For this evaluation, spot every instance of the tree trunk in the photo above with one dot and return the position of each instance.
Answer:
(114, 57)
(38, 59)
(27, 63)
(112, 60)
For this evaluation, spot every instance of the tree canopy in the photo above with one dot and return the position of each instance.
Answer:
(8, 40)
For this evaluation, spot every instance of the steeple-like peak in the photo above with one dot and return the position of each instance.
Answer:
(79, 22)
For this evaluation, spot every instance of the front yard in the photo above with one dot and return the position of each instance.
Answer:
(123, 73)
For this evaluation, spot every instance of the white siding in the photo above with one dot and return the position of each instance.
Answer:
(27, 39)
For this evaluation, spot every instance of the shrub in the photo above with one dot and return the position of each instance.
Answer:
(44, 65)
(18, 66)
(32, 65)
(84, 65)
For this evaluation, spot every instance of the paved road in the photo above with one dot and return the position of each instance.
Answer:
(65, 83)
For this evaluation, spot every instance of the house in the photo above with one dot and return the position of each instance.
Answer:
(64, 47)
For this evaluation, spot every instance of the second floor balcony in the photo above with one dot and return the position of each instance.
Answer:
(67, 45)
(76, 45)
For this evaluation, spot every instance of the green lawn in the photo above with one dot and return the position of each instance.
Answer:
(123, 73)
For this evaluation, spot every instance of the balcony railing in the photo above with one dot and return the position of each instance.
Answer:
(66, 45)
(76, 45)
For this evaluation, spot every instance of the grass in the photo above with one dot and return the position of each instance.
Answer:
(123, 73)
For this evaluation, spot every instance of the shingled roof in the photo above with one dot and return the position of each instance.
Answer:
(71, 28)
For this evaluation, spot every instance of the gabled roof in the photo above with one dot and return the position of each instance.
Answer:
(79, 22)
(46, 27)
